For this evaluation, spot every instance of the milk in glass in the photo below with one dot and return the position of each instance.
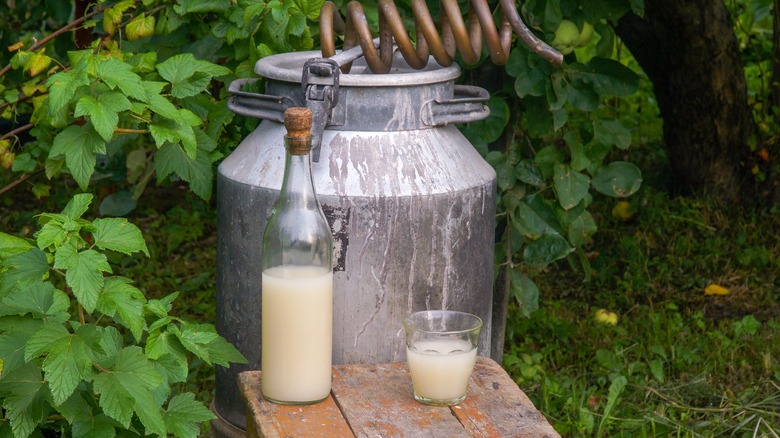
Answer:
(441, 368)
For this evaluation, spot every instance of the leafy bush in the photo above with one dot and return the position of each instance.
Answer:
(84, 353)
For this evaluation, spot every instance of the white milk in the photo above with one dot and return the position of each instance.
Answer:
(441, 369)
(297, 326)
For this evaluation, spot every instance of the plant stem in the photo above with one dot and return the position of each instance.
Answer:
(22, 179)
(82, 320)
(131, 131)
(17, 131)
(77, 22)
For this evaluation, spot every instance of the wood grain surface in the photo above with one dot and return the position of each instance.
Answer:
(376, 400)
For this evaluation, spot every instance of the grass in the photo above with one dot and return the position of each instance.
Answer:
(678, 362)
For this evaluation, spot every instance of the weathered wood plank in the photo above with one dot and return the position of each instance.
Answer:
(377, 400)
(278, 421)
(496, 407)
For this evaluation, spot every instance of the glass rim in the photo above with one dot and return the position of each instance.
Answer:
(408, 321)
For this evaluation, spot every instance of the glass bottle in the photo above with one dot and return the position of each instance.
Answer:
(297, 289)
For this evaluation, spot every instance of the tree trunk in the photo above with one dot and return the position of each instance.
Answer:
(690, 53)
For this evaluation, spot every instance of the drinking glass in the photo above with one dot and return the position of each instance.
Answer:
(441, 350)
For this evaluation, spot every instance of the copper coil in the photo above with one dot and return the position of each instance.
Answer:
(453, 36)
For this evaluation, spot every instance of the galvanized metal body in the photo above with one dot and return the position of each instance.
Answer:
(411, 206)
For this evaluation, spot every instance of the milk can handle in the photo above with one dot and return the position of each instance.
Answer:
(259, 106)
(465, 106)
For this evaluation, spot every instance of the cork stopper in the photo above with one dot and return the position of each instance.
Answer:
(297, 121)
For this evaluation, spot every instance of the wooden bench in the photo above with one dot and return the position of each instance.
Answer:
(377, 400)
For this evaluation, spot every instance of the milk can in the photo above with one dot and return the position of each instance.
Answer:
(410, 203)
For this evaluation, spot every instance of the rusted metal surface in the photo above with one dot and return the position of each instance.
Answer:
(377, 400)
(453, 34)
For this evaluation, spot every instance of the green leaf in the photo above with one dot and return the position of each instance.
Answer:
(197, 172)
(103, 112)
(63, 86)
(12, 245)
(26, 267)
(525, 292)
(174, 367)
(195, 338)
(98, 426)
(120, 297)
(159, 103)
(615, 389)
(528, 222)
(657, 370)
(530, 78)
(221, 352)
(527, 172)
(68, 361)
(170, 132)
(608, 77)
(40, 299)
(84, 273)
(160, 343)
(26, 395)
(191, 6)
(189, 75)
(13, 341)
(77, 206)
(582, 229)
(116, 73)
(570, 186)
(184, 414)
(546, 249)
(125, 387)
(80, 146)
(120, 203)
(117, 234)
(579, 160)
(617, 179)
(612, 132)
(546, 160)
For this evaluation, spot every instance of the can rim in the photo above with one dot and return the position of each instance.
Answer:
(288, 67)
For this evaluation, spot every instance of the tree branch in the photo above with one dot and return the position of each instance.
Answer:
(77, 22)
(18, 130)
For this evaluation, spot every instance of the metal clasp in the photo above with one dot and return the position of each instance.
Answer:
(320, 86)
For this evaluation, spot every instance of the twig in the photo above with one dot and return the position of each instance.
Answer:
(77, 22)
(131, 131)
(17, 131)
(19, 181)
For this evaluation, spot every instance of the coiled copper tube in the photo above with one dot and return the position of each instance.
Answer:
(442, 46)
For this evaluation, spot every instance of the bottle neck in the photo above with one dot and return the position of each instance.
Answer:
(297, 174)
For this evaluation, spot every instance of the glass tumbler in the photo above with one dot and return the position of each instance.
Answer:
(441, 350)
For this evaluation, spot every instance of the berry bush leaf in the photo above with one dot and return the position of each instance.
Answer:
(84, 273)
(119, 74)
(26, 394)
(184, 414)
(39, 299)
(63, 86)
(80, 146)
(77, 206)
(121, 298)
(103, 112)
(125, 387)
(117, 234)
(12, 245)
